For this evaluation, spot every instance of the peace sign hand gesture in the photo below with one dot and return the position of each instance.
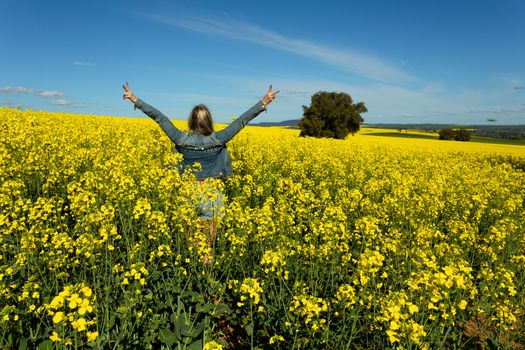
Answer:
(270, 96)
(128, 94)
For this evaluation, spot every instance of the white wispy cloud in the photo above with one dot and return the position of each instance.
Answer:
(498, 110)
(49, 93)
(65, 103)
(59, 102)
(360, 63)
(296, 92)
(52, 96)
(30, 91)
(16, 90)
(85, 64)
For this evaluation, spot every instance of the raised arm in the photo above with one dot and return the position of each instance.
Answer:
(166, 125)
(233, 129)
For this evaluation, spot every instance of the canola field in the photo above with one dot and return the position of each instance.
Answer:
(367, 243)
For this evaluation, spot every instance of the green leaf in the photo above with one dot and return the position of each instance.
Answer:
(196, 330)
(111, 322)
(180, 306)
(23, 344)
(262, 333)
(181, 327)
(168, 337)
(194, 296)
(197, 345)
(222, 309)
(176, 322)
(249, 329)
(155, 276)
(213, 308)
(205, 308)
(46, 345)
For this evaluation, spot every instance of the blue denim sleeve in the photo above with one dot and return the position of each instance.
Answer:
(233, 129)
(166, 125)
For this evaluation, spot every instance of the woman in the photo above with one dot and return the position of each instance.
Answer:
(204, 146)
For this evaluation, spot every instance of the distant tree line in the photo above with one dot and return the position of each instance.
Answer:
(509, 132)
(451, 134)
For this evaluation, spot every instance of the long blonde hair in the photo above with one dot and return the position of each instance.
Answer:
(200, 120)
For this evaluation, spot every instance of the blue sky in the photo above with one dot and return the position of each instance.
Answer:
(409, 61)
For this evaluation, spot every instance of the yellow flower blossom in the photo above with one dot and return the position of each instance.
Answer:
(212, 345)
(59, 317)
(79, 324)
(252, 289)
(54, 337)
(92, 336)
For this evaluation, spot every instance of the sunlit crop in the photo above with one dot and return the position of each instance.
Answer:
(369, 242)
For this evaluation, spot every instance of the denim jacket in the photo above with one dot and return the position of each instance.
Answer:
(210, 151)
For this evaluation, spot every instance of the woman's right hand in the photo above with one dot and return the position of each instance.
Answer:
(128, 94)
(269, 97)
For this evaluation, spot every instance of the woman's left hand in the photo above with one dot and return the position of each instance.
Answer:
(128, 94)
(270, 96)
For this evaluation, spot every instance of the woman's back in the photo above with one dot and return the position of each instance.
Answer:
(208, 151)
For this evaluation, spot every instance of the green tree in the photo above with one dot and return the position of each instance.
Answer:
(451, 134)
(462, 135)
(447, 134)
(331, 114)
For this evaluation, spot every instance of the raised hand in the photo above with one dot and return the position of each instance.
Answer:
(270, 96)
(128, 94)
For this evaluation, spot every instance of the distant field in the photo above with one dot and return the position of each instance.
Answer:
(433, 136)
(490, 132)
(430, 141)
(407, 140)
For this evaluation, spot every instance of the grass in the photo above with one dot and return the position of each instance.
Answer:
(434, 136)
(484, 139)
(402, 135)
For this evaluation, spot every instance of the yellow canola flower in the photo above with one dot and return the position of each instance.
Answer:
(85, 307)
(86, 291)
(412, 308)
(462, 304)
(275, 339)
(55, 337)
(80, 324)
(59, 317)
(311, 309)
(346, 294)
(251, 288)
(212, 345)
(92, 336)
(57, 302)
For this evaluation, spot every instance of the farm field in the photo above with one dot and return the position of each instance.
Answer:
(369, 242)
(509, 146)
